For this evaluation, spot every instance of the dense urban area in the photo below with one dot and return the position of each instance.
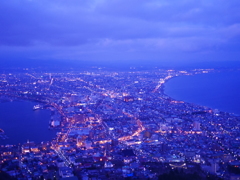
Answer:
(119, 125)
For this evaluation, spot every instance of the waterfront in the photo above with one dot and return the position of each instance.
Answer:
(215, 90)
(21, 123)
(110, 121)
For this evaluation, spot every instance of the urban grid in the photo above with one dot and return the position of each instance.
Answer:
(119, 125)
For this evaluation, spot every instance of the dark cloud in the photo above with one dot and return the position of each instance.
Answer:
(120, 29)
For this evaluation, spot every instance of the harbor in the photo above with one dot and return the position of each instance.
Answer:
(25, 123)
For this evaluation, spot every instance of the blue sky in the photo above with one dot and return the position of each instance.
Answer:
(120, 30)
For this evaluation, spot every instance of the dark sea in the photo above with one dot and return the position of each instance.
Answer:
(219, 90)
(20, 123)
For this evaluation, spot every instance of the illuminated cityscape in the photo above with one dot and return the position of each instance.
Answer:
(119, 90)
(117, 125)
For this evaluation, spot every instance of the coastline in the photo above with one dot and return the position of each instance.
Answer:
(163, 91)
(17, 125)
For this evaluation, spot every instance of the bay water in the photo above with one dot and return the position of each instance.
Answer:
(20, 123)
(218, 90)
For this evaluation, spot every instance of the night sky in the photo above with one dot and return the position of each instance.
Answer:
(123, 31)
